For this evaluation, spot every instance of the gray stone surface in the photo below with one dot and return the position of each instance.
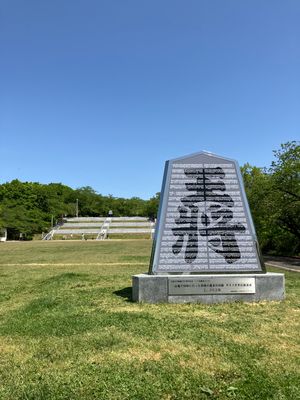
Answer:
(204, 222)
(147, 288)
(154, 289)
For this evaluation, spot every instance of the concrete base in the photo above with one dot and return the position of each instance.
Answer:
(156, 289)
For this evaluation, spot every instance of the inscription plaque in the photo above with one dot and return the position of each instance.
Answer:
(204, 223)
(216, 285)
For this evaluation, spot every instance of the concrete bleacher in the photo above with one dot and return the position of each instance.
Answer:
(100, 228)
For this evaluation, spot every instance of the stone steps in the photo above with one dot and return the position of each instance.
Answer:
(103, 226)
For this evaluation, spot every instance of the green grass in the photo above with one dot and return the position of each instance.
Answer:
(68, 330)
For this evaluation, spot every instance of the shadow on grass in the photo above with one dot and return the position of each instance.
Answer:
(126, 293)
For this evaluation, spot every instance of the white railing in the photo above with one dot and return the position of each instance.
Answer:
(102, 235)
(49, 235)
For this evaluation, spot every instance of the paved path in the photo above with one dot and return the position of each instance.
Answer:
(288, 263)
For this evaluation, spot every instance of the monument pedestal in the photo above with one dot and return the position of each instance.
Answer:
(208, 288)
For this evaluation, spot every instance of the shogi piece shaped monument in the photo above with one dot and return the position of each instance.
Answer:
(205, 247)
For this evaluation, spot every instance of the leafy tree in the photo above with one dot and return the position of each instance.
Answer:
(258, 188)
(285, 178)
(152, 205)
(274, 200)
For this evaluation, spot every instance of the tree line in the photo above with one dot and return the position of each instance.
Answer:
(27, 208)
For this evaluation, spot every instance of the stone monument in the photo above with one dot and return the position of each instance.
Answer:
(205, 247)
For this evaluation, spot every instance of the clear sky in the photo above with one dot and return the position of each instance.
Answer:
(101, 93)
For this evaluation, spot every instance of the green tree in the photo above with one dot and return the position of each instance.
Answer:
(285, 178)
(151, 209)
(258, 189)
(274, 200)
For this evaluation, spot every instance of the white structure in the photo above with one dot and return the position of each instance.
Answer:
(3, 235)
(101, 227)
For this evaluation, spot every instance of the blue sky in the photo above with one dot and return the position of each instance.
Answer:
(101, 93)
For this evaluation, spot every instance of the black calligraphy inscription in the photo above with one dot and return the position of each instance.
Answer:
(215, 223)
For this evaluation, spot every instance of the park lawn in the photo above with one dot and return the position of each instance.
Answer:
(68, 330)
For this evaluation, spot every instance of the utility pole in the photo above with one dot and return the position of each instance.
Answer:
(77, 208)
(52, 221)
